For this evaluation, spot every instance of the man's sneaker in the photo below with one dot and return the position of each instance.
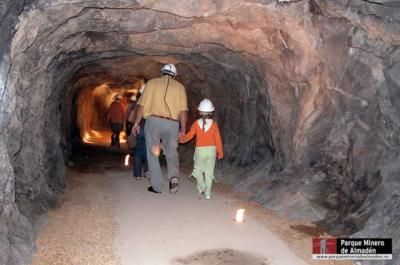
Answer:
(150, 189)
(174, 185)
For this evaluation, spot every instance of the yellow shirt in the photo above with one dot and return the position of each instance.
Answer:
(163, 96)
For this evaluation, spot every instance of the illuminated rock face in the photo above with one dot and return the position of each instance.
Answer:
(306, 95)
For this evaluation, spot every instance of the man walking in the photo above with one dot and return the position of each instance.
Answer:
(116, 119)
(164, 106)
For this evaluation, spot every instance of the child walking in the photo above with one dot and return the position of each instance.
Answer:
(208, 147)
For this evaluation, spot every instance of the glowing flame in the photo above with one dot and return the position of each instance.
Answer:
(127, 160)
(86, 137)
(239, 215)
(96, 133)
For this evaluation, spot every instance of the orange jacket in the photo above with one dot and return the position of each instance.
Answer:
(211, 137)
(116, 112)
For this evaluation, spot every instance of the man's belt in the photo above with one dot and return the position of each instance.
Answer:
(162, 117)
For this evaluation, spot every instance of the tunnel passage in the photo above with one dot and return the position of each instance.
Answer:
(92, 105)
(240, 114)
(305, 94)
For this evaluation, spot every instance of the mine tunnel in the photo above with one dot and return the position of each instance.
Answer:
(305, 93)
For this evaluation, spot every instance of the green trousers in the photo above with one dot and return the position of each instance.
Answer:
(204, 163)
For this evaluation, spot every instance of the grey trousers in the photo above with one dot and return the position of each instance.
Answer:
(165, 132)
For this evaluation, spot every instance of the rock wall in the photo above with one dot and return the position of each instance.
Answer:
(16, 237)
(345, 150)
(306, 96)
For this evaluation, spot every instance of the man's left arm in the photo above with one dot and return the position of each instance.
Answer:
(183, 114)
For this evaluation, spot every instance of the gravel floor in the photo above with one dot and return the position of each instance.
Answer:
(82, 230)
(295, 233)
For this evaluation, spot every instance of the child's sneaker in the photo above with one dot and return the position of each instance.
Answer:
(191, 178)
(208, 197)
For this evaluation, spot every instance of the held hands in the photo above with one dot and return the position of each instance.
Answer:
(181, 135)
(181, 138)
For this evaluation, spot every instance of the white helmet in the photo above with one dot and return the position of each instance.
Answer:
(206, 106)
(169, 69)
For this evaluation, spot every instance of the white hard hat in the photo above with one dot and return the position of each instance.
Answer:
(169, 69)
(206, 106)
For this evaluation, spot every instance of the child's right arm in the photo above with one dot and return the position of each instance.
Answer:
(189, 136)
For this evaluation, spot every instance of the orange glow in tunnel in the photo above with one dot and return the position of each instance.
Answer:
(100, 137)
(92, 108)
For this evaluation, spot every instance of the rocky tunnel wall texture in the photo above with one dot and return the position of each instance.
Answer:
(307, 96)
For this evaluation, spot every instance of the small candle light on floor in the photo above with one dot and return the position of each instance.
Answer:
(239, 215)
(127, 160)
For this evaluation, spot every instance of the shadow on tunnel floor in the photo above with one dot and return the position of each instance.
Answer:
(222, 256)
(98, 158)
